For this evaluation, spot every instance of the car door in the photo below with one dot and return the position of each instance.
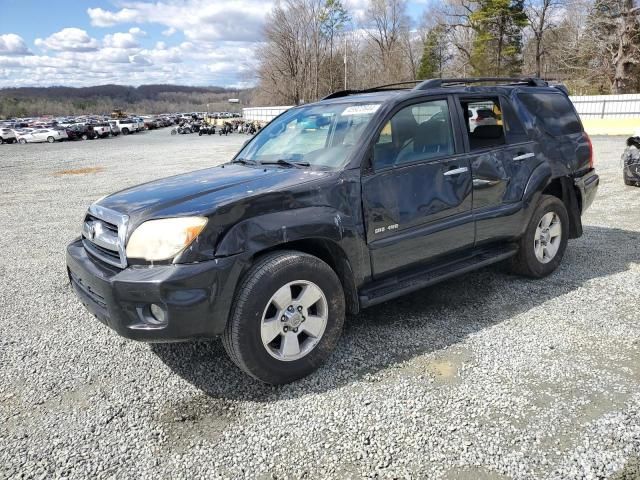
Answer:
(417, 195)
(502, 158)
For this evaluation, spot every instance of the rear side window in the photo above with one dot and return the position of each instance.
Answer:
(554, 111)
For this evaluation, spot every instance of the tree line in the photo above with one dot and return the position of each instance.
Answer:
(314, 47)
(103, 99)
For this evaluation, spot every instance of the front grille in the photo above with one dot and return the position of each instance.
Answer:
(103, 235)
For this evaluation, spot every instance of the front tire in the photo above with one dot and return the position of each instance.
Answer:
(22, 141)
(544, 241)
(286, 318)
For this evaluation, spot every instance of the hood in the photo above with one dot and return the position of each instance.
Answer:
(202, 191)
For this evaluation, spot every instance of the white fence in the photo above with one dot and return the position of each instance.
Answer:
(588, 107)
(607, 106)
(262, 114)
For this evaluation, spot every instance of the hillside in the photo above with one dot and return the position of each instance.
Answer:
(102, 99)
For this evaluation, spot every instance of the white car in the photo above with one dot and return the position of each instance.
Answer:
(7, 136)
(40, 135)
(102, 129)
(126, 126)
(481, 116)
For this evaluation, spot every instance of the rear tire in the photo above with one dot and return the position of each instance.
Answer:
(125, 131)
(1, 140)
(51, 139)
(284, 285)
(544, 241)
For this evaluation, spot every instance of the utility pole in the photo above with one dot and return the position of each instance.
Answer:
(345, 62)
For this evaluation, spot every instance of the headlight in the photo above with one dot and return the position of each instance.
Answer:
(165, 238)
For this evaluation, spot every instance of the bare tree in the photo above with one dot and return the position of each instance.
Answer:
(385, 23)
(542, 16)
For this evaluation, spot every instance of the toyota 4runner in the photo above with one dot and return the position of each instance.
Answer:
(336, 206)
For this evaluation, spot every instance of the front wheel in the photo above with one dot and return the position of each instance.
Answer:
(544, 241)
(286, 318)
(22, 141)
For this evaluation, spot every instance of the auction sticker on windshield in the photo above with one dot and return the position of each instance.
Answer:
(361, 109)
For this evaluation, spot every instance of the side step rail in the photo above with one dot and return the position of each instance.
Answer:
(401, 285)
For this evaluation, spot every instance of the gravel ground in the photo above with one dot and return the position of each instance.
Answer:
(488, 376)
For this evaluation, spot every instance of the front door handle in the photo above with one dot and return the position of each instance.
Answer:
(524, 156)
(456, 171)
(483, 183)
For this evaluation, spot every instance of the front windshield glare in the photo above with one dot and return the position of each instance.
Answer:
(318, 135)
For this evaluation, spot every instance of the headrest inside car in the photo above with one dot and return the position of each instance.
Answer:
(488, 131)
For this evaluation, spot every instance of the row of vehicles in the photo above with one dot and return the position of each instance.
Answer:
(34, 131)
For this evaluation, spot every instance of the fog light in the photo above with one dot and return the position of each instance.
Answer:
(158, 315)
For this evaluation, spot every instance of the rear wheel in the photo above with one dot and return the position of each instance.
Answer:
(51, 139)
(125, 131)
(545, 240)
(286, 318)
(22, 141)
(85, 136)
(1, 140)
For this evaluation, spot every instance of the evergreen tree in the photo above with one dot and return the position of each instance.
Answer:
(433, 54)
(497, 48)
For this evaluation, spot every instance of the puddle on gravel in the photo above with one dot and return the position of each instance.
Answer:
(444, 367)
(79, 171)
(195, 419)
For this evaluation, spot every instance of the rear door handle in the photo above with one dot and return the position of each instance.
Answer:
(456, 171)
(524, 156)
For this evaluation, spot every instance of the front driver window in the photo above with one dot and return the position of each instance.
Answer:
(417, 132)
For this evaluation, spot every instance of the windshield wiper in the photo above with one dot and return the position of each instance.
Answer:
(287, 163)
(245, 161)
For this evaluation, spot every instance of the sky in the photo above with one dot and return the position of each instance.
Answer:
(134, 42)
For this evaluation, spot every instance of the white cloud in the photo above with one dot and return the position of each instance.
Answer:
(200, 20)
(140, 60)
(124, 40)
(104, 18)
(12, 44)
(69, 39)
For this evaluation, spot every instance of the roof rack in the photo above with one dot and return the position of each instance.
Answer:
(441, 82)
(344, 93)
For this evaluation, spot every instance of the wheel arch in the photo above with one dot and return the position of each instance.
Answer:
(542, 182)
(329, 252)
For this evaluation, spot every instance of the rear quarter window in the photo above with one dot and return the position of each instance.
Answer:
(554, 111)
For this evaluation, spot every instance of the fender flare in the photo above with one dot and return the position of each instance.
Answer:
(538, 181)
(269, 230)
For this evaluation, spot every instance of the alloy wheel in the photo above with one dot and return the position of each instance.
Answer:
(294, 320)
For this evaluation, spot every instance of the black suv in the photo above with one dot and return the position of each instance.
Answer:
(336, 206)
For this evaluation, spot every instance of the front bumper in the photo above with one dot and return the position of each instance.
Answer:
(195, 298)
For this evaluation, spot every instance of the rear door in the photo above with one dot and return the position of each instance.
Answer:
(502, 158)
(417, 198)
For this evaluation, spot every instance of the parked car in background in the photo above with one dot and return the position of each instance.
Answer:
(41, 135)
(631, 161)
(481, 115)
(126, 125)
(85, 132)
(102, 130)
(7, 135)
(115, 129)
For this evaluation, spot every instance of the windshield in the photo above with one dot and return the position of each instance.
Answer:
(318, 135)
